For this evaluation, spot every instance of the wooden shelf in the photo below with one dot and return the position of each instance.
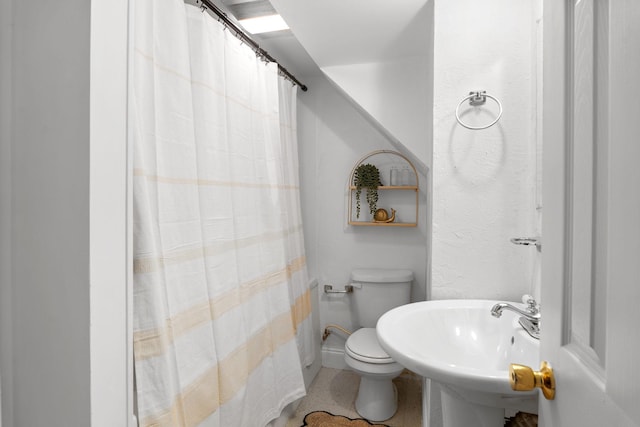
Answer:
(383, 224)
(402, 197)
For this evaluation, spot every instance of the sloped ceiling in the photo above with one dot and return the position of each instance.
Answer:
(339, 32)
(380, 55)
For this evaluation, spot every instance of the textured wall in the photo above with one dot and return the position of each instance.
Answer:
(484, 181)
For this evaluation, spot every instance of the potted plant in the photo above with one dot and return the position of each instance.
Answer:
(367, 176)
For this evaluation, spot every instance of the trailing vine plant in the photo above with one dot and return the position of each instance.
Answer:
(367, 176)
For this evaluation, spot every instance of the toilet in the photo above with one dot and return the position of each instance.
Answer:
(375, 291)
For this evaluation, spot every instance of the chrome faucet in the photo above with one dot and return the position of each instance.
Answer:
(529, 318)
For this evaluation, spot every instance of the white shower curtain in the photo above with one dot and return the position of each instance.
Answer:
(220, 280)
(299, 284)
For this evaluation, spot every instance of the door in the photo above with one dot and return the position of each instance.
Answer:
(591, 220)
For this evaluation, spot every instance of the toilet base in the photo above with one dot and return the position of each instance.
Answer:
(377, 398)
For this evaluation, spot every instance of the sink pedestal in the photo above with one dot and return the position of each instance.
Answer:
(463, 408)
(458, 412)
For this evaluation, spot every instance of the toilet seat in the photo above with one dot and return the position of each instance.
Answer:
(363, 345)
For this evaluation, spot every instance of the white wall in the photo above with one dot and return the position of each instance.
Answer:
(484, 181)
(5, 213)
(60, 247)
(110, 211)
(397, 95)
(50, 207)
(333, 136)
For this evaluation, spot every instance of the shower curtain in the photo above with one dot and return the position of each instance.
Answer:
(299, 285)
(221, 298)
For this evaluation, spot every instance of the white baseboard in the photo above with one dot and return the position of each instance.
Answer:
(333, 358)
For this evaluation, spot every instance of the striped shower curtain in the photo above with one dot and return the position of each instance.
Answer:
(221, 298)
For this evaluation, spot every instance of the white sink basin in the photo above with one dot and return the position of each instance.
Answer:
(458, 343)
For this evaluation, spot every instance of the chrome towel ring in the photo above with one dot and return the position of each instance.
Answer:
(477, 98)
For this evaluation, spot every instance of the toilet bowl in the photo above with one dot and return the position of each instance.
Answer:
(377, 396)
(375, 291)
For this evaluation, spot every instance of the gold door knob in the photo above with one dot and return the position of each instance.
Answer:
(523, 378)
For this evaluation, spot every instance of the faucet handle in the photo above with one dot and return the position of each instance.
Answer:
(532, 304)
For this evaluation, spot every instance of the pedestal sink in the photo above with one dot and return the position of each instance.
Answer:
(458, 344)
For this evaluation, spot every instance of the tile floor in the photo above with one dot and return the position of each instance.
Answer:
(334, 390)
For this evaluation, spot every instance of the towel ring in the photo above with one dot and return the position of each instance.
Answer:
(478, 98)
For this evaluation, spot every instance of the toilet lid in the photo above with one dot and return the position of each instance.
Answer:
(363, 345)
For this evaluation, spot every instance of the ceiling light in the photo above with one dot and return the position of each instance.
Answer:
(264, 24)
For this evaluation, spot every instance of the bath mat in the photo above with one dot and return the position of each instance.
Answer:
(522, 419)
(325, 419)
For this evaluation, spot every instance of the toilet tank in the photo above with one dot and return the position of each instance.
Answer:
(378, 290)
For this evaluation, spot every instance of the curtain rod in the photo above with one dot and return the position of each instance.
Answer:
(222, 17)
